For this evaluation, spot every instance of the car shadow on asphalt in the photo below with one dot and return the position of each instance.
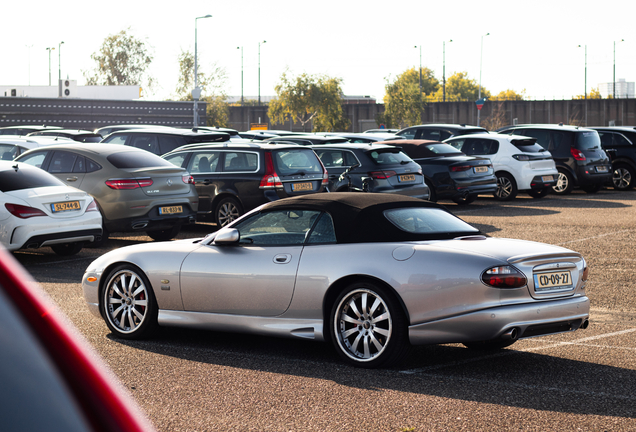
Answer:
(507, 377)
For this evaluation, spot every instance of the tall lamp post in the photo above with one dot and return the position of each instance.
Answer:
(420, 47)
(481, 56)
(241, 48)
(614, 78)
(444, 70)
(196, 93)
(259, 72)
(29, 47)
(49, 49)
(580, 46)
(59, 65)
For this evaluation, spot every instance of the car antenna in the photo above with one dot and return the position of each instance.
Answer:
(15, 167)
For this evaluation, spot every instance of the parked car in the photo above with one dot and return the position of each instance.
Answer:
(619, 142)
(370, 273)
(577, 154)
(79, 135)
(38, 210)
(438, 132)
(363, 138)
(257, 135)
(520, 163)
(135, 189)
(13, 146)
(233, 133)
(104, 131)
(372, 168)
(231, 178)
(449, 173)
(307, 139)
(381, 131)
(23, 130)
(163, 140)
(51, 377)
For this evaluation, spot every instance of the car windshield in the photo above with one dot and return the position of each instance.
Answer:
(25, 177)
(421, 220)
(137, 159)
(588, 140)
(293, 161)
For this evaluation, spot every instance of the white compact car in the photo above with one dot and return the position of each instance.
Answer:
(37, 209)
(13, 146)
(520, 163)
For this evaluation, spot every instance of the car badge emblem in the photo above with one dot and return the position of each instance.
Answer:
(67, 197)
(169, 182)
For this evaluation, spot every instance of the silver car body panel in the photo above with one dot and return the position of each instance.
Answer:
(438, 283)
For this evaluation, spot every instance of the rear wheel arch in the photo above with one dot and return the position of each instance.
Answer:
(108, 270)
(221, 196)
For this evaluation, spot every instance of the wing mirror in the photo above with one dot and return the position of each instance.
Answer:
(227, 236)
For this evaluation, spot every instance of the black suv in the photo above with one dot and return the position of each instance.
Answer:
(619, 142)
(162, 139)
(577, 154)
(233, 178)
(439, 132)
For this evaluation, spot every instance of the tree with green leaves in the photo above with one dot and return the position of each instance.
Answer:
(508, 94)
(122, 60)
(403, 101)
(309, 98)
(212, 85)
(460, 88)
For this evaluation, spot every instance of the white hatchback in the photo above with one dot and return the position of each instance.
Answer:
(37, 209)
(520, 163)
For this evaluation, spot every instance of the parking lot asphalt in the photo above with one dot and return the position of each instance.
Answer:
(189, 380)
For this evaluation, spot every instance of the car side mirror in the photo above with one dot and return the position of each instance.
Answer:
(227, 236)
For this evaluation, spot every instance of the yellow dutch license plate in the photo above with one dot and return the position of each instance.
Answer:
(407, 177)
(547, 178)
(302, 186)
(65, 206)
(480, 169)
(170, 210)
(552, 280)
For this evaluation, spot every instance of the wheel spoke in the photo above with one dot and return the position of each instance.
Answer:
(117, 290)
(354, 344)
(351, 320)
(376, 303)
(138, 291)
(383, 317)
(138, 314)
(354, 308)
(367, 349)
(383, 332)
(143, 303)
(349, 332)
(375, 342)
(131, 284)
(117, 311)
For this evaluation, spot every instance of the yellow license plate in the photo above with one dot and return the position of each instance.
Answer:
(65, 206)
(170, 210)
(302, 186)
(407, 177)
(481, 169)
(547, 178)
(552, 280)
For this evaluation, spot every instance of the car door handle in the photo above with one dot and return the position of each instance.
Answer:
(282, 258)
(71, 179)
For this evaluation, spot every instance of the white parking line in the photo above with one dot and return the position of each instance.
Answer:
(595, 237)
(510, 352)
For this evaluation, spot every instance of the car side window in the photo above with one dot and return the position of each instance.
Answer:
(92, 166)
(80, 165)
(62, 162)
(283, 227)
(621, 141)
(177, 159)
(116, 139)
(35, 159)
(323, 231)
(146, 142)
(429, 134)
(240, 161)
(332, 158)
(204, 162)
(168, 143)
(408, 134)
(458, 143)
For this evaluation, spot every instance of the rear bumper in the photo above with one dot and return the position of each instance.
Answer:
(587, 176)
(152, 220)
(539, 183)
(530, 319)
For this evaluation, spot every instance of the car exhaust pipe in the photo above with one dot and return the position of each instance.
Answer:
(139, 225)
(511, 334)
(585, 324)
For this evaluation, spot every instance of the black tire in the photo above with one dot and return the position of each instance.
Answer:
(432, 195)
(128, 303)
(623, 177)
(539, 193)
(67, 249)
(565, 183)
(227, 211)
(465, 200)
(164, 235)
(489, 345)
(506, 187)
(592, 188)
(368, 327)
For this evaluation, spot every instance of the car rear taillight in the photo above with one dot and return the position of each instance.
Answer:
(585, 273)
(380, 175)
(325, 173)
(521, 157)
(577, 154)
(187, 179)
(270, 180)
(92, 206)
(460, 168)
(504, 277)
(23, 212)
(128, 183)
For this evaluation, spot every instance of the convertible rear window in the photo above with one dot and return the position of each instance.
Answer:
(421, 220)
(137, 159)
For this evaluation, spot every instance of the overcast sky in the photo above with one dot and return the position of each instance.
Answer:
(533, 45)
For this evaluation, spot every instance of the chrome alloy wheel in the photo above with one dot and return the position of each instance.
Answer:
(622, 178)
(562, 184)
(363, 325)
(227, 212)
(126, 301)
(504, 187)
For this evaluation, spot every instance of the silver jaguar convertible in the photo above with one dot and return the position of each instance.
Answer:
(371, 273)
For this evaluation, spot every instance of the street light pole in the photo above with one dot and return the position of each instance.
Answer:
(585, 70)
(49, 49)
(614, 78)
(481, 56)
(196, 93)
(420, 47)
(29, 47)
(241, 48)
(259, 72)
(444, 71)
(59, 66)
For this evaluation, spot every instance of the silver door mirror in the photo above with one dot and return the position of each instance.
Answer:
(227, 236)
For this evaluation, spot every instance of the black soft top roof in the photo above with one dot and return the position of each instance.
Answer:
(358, 217)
